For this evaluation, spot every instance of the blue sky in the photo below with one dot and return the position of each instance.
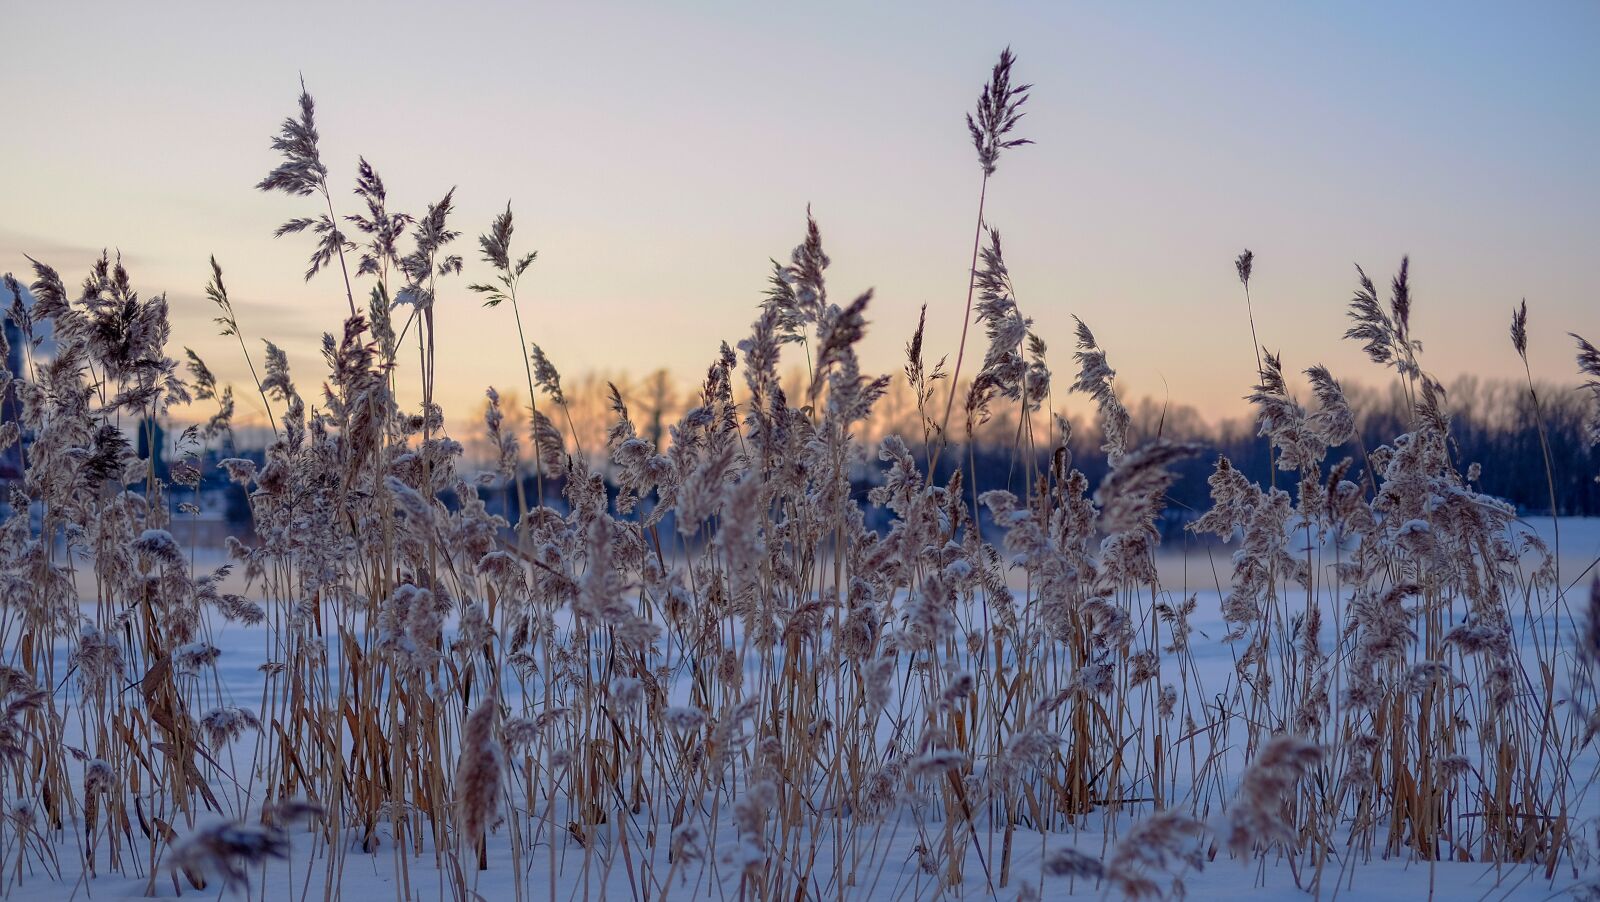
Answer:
(657, 155)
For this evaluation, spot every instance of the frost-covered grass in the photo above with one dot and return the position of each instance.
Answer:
(691, 670)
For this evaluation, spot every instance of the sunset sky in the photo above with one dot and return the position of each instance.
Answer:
(656, 155)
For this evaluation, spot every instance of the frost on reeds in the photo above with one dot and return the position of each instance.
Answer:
(231, 850)
(1258, 817)
(1589, 367)
(478, 773)
(1154, 846)
(1095, 377)
(766, 645)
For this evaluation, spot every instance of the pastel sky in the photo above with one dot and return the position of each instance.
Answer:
(658, 154)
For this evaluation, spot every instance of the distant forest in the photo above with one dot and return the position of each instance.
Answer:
(1493, 424)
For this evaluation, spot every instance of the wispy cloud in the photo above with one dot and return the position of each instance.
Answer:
(66, 256)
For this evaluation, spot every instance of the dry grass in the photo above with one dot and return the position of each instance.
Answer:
(717, 674)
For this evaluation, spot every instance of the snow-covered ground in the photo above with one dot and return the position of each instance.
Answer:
(375, 877)
(611, 866)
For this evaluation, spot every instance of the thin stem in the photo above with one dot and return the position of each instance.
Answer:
(533, 402)
(338, 240)
(1549, 479)
(263, 392)
(1261, 375)
(966, 322)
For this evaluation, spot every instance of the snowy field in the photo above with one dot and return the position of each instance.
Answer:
(857, 860)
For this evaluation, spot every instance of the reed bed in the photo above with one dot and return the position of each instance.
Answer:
(689, 667)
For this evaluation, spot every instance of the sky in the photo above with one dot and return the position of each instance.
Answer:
(657, 155)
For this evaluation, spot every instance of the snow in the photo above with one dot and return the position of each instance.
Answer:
(610, 864)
